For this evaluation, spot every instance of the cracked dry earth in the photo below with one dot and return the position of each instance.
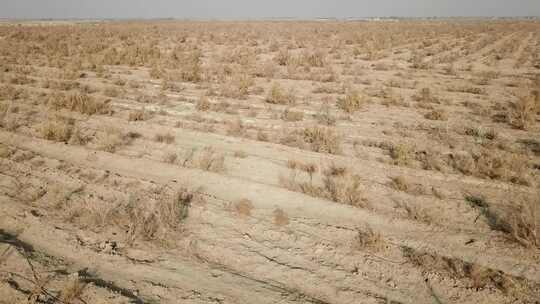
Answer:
(210, 216)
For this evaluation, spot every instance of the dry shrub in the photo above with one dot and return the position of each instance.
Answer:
(352, 102)
(167, 138)
(437, 114)
(322, 139)
(57, 128)
(82, 103)
(292, 116)
(338, 184)
(277, 95)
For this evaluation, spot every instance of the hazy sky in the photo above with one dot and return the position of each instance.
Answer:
(252, 9)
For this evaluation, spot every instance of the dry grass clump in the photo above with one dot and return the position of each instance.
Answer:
(338, 184)
(352, 102)
(322, 139)
(167, 138)
(291, 115)
(80, 102)
(57, 128)
(277, 95)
